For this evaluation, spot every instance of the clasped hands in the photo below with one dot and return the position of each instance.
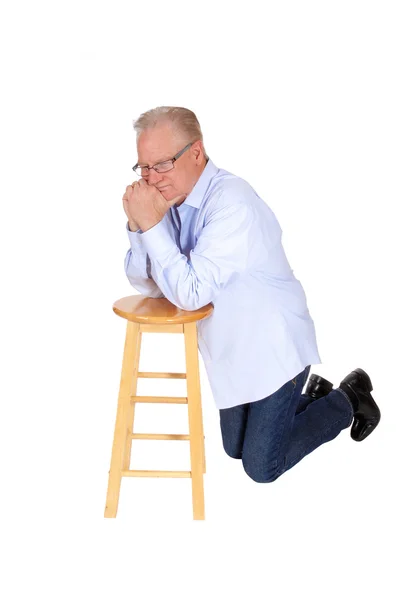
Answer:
(145, 205)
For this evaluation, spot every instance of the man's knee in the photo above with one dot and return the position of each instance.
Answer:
(232, 452)
(260, 472)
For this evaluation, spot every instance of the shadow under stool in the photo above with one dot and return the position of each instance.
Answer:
(157, 315)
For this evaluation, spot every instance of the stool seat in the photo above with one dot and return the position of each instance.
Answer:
(157, 311)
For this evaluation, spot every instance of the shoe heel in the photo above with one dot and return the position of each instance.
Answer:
(366, 378)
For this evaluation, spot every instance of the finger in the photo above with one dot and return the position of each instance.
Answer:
(126, 208)
(131, 185)
(134, 185)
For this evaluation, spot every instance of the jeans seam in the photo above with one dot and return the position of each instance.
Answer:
(276, 462)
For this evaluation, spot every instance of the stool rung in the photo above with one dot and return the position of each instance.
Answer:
(158, 375)
(159, 399)
(160, 436)
(156, 473)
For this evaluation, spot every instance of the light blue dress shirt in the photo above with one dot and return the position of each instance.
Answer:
(223, 245)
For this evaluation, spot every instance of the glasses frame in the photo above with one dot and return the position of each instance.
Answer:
(174, 159)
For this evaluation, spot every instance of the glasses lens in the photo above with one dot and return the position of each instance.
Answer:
(164, 166)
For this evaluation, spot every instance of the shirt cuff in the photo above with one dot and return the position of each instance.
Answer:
(134, 236)
(159, 244)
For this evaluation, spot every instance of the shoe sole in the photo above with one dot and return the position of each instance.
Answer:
(369, 428)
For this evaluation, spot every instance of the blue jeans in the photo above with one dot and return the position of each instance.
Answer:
(273, 434)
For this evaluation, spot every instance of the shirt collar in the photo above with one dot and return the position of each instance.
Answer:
(198, 191)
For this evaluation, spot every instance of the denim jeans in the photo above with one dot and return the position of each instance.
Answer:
(273, 434)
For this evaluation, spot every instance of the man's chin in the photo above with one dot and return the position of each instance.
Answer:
(166, 194)
(170, 194)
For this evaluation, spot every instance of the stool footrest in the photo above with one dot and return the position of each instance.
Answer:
(160, 436)
(158, 375)
(161, 399)
(131, 473)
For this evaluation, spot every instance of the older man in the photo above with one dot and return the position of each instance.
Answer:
(200, 234)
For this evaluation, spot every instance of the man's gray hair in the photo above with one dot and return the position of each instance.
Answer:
(183, 121)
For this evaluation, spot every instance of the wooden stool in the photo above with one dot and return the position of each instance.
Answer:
(157, 315)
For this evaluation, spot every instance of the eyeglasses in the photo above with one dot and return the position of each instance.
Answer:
(162, 167)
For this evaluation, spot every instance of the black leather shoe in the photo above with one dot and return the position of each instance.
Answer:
(357, 385)
(318, 386)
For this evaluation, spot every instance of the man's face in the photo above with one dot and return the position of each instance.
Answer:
(160, 143)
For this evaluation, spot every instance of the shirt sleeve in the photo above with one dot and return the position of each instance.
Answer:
(137, 266)
(223, 250)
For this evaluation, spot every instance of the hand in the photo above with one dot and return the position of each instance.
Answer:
(144, 204)
(132, 224)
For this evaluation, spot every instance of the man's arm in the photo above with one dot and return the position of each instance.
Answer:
(137, 266)
(225, 248)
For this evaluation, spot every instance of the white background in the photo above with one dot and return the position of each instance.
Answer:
(313, 103)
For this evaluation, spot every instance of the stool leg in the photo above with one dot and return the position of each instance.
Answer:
(128, 385)
(203, 436)
(203, 445)
(131, 407)
(195, 419)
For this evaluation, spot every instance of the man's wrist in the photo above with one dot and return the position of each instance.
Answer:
(147, 226)
(133, 227)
